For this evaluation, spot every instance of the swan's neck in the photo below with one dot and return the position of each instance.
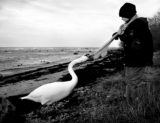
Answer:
(74, 79)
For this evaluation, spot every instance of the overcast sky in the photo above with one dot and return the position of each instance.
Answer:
(64, 23)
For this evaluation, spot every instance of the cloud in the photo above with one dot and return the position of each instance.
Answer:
(63, 22)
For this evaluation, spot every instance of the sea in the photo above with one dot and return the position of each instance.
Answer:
(21, 57)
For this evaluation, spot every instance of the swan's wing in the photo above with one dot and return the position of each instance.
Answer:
(50, 87)
(51, 91)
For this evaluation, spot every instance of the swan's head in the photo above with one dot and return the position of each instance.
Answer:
(81, 59)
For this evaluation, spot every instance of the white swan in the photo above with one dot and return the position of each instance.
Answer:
(52, 92)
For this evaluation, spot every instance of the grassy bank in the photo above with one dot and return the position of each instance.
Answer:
(100, 100)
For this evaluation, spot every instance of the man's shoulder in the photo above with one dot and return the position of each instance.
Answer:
(141, 20)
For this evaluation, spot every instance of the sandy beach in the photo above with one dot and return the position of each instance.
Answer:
(43, 65)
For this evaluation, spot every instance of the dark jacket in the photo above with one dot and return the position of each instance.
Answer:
(137, 43)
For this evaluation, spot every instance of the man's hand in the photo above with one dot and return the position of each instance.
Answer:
(116, 38)
(122, 29)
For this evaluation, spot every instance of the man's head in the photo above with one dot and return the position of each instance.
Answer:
(127, 11)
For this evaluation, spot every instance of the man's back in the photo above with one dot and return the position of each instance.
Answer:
(138, 43)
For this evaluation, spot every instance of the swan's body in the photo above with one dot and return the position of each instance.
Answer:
(52, 92)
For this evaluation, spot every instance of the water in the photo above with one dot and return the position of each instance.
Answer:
(21, 57)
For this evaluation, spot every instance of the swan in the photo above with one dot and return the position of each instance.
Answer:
(55, 91)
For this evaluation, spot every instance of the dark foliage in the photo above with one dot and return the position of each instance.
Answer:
(155, 30)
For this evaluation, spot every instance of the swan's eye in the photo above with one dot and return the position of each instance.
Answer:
(87, 55)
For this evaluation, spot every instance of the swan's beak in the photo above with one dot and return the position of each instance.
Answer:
(83, 58)
(90, 56)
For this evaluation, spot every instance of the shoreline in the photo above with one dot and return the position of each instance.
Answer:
(98, 92)
(25, 80)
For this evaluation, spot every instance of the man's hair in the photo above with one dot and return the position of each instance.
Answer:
(128, 10)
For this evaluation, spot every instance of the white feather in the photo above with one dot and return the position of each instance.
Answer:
(52, 92)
